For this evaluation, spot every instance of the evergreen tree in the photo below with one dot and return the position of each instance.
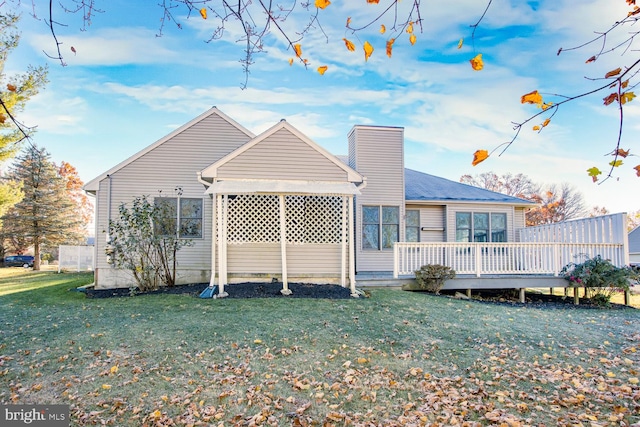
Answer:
(46, 216)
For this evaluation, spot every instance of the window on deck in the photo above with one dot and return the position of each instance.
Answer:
(412, 226)
(481, 227)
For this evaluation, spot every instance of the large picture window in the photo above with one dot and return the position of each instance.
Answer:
(481, 227)
(380, 226)
(187, 220)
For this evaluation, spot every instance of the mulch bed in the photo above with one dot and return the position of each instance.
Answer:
(237, 290)
(533, 299)
(307, 290)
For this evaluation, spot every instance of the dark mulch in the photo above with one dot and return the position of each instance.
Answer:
(306, 290)
(238, 290)
(533, 299)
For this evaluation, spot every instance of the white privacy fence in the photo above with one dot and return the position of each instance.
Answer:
(545, 250)
(77, 258)
(601, 229)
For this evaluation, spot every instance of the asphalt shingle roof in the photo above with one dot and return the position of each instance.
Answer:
(422, 186)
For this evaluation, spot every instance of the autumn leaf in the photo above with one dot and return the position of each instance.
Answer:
(410, 28)
(593, 58)
(476, 62)
(350, 45)
(460, 43)
(348, 22)
(637, 168)
(593, 173)
(479, 156)
(611, 98)
(621, 152)
(322, 69)
(546, 122)
(615, 163)
(203, 13)
(413, 39)
(368, 49)
(321, 4)
(536, 127)
(298, 49)
(613, 73)
(625, 84)
(290, 61)
(627, 97)
(373, 1)
(383, 29)
(532, 98)
(11, 88)
(390, 46)
(3, 118)
(73, 49)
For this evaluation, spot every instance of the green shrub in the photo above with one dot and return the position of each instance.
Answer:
(431, 277)
(600, 278)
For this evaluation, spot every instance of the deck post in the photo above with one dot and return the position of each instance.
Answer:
(576, 296)
(469, 293)
(395, 260)
(522, 294)
(214, 214)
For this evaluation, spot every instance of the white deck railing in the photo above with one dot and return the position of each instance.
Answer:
(501, 258)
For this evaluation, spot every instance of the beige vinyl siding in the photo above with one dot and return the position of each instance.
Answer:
(302, 260)
(172, 164)
(519, 221)
(378, 154)
(432, 223)
(479, 207)
(254, 258)
(314, 259)
(282, 156)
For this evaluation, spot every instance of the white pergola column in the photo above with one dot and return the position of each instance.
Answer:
(222, 244)
(352, 244)
(214, 227)
(283, 246)
(343, 249)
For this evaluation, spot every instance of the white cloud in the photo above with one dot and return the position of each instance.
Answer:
(109, 47)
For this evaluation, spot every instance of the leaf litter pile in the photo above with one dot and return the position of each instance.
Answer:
(394, 359)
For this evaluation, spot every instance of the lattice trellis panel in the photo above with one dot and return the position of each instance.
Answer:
(309, 219)
(253, 219)
(314, 219)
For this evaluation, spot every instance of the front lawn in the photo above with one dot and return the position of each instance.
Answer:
(396, 358)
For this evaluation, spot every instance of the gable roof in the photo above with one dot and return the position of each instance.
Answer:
(92, 186)
(420, 186)
(212, 170)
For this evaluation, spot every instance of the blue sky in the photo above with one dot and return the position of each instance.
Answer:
(125, 87)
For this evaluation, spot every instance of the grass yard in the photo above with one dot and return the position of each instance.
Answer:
(396, 358)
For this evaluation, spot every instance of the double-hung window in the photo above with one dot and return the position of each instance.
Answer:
(481, 227)
(380, 227)
(412, 225)
(186, 221)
